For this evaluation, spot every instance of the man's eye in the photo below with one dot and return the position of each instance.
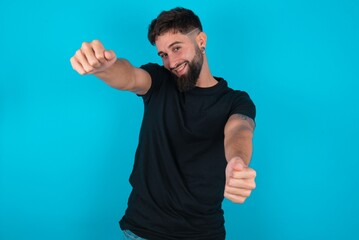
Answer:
(176, 49)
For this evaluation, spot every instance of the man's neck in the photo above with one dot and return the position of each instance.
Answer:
(206, 79)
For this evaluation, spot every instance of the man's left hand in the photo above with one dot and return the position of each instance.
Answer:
(240, 180)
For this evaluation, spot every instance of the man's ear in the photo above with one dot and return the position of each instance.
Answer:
(201, 40)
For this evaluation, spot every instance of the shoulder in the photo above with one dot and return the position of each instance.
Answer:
(155, 70)
(160, 79)
(241, 102)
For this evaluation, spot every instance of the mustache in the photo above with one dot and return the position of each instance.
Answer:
(179, 65)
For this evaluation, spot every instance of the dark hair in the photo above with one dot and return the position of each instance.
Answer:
(177, 20)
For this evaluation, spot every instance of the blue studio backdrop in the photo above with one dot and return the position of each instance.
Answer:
(67, 141)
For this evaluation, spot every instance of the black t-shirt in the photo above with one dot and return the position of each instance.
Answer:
(178, 176)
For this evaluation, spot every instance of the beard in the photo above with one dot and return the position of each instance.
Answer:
(189, 80)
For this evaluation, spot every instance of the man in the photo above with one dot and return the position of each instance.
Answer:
(195, 142)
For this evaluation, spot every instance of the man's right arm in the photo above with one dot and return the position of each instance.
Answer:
(93, 58)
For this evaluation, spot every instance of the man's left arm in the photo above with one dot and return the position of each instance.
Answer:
(240, 179)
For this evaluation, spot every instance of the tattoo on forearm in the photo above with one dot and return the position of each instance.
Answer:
(248, 119)
(244, 117)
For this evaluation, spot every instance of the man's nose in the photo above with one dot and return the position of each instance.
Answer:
(172, 61)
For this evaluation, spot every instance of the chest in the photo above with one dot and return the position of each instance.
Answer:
(189, 116)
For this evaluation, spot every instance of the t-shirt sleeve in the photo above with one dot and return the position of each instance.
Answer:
(157, 76)
(243, 104)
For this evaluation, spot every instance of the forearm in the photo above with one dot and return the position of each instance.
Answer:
(120, 75)
(240, 145)
(238, 135)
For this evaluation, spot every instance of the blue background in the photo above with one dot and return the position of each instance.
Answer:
(67, 141)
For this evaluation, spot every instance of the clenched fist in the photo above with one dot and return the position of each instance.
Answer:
(92, 58)
(240, 180)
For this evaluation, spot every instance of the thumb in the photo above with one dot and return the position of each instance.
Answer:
(110, 55)
(236, 164)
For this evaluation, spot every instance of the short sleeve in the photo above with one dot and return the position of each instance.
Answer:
(158, 74)
(243, 104)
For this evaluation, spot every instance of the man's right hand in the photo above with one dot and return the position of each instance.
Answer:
(92, 58)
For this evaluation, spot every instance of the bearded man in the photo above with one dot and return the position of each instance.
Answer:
(195, 142)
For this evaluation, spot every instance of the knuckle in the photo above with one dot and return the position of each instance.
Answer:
(73, 60)
(93, 63)
(247, 193)
(230, 182)
(89, 69)
(80, 71)
(78, 53)
(85, 45)
(226, 195)
(238, 200)
(233, 183)
(100, 58)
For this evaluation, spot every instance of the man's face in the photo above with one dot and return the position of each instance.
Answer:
(181, 55)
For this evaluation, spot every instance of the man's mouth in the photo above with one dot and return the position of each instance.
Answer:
(179, 68)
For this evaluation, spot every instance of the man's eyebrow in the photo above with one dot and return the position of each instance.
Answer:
(174, 43)
(171, 45)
